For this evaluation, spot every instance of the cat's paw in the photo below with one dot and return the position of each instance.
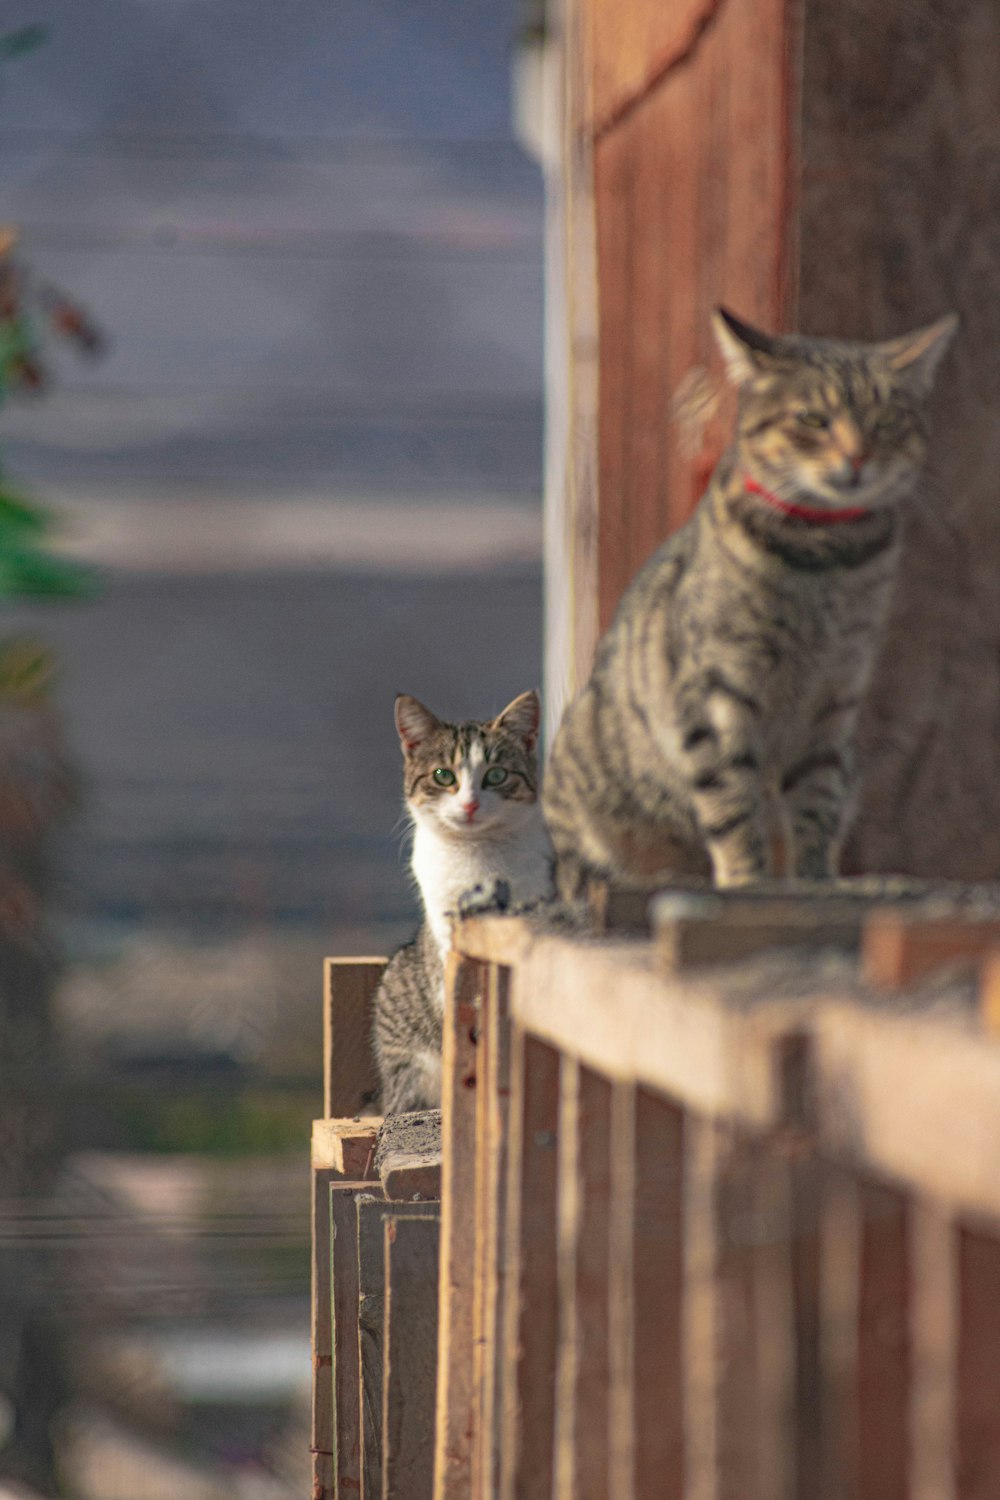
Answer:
(482, 899)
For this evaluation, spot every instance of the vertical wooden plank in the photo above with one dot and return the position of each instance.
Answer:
(347, 1419)
(884, 1363)
(933, 1332)
(493, 1088)
(657, 1294)
(410, 1378)
(568, 1215)
(586, 1217)
(978, 1378)
(455, 1418)
(701, 1309)
(841, 1237)
(531, 1301)
(321, 1439)
(480, 1355)
(373, 1214)
(350, 1078)
(623, 1313)
(756, 1325)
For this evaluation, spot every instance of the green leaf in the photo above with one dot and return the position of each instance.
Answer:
(20, 515)
(24, 572)
(25, 39)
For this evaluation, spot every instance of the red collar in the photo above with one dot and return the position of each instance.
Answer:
(813, 514)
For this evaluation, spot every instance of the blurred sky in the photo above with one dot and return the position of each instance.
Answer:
(311, 463)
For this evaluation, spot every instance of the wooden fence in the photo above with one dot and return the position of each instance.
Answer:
(719, 1220)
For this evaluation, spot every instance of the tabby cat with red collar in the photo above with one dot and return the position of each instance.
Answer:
(722, 706)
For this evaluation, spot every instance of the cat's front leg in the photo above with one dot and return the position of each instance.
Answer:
(816, 794)
(722, 758)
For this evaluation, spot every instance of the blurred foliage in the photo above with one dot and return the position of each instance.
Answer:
(228, 1120)
(25, 39)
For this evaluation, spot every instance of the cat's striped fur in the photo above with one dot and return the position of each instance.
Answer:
(471, 791)
(721, 711)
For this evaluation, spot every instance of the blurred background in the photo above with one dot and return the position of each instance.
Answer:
(307, 467)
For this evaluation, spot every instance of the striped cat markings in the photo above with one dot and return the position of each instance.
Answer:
(471, 792)
(719, 719)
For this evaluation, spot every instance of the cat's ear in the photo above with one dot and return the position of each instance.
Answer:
(414, 723)
(522, 718)
(744, 348)
(916, 356)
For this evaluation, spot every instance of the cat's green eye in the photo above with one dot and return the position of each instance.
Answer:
(495, 776)
(815, 419)
(444, 777)
(885, 420)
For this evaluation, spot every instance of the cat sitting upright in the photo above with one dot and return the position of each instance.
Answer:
(471, 792)
(722, 705)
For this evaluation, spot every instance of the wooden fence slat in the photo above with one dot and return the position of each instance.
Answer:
(346, 1403)
(455, 1421)
(622, 1311)
(322, 1438)
(840, 1269)
(585, 1216)
(978, 1373)
(350, 1077)
(933, 1313)
(529, 1358)
(411, 1246)
(701, 1308)
(494, 1084)
(884, 1363)
(657, 1292)
(373, 1214)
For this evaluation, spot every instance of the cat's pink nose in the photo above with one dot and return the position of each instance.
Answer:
(470, 809)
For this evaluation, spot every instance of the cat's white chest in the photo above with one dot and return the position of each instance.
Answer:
(446, 869)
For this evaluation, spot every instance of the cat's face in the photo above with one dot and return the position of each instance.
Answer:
(474, 779)
(844, 424)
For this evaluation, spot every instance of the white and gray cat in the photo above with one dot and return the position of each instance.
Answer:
(471, 792)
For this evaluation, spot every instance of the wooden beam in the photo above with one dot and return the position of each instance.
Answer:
(692, 931)
(464, 982)
(346, 1147)
(529, 1361)
(350, 1076)
(411, 1245)
(903, 947)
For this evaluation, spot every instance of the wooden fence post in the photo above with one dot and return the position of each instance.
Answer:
(455, 1420)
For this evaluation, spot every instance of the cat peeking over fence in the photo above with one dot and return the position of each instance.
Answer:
(471, 792)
